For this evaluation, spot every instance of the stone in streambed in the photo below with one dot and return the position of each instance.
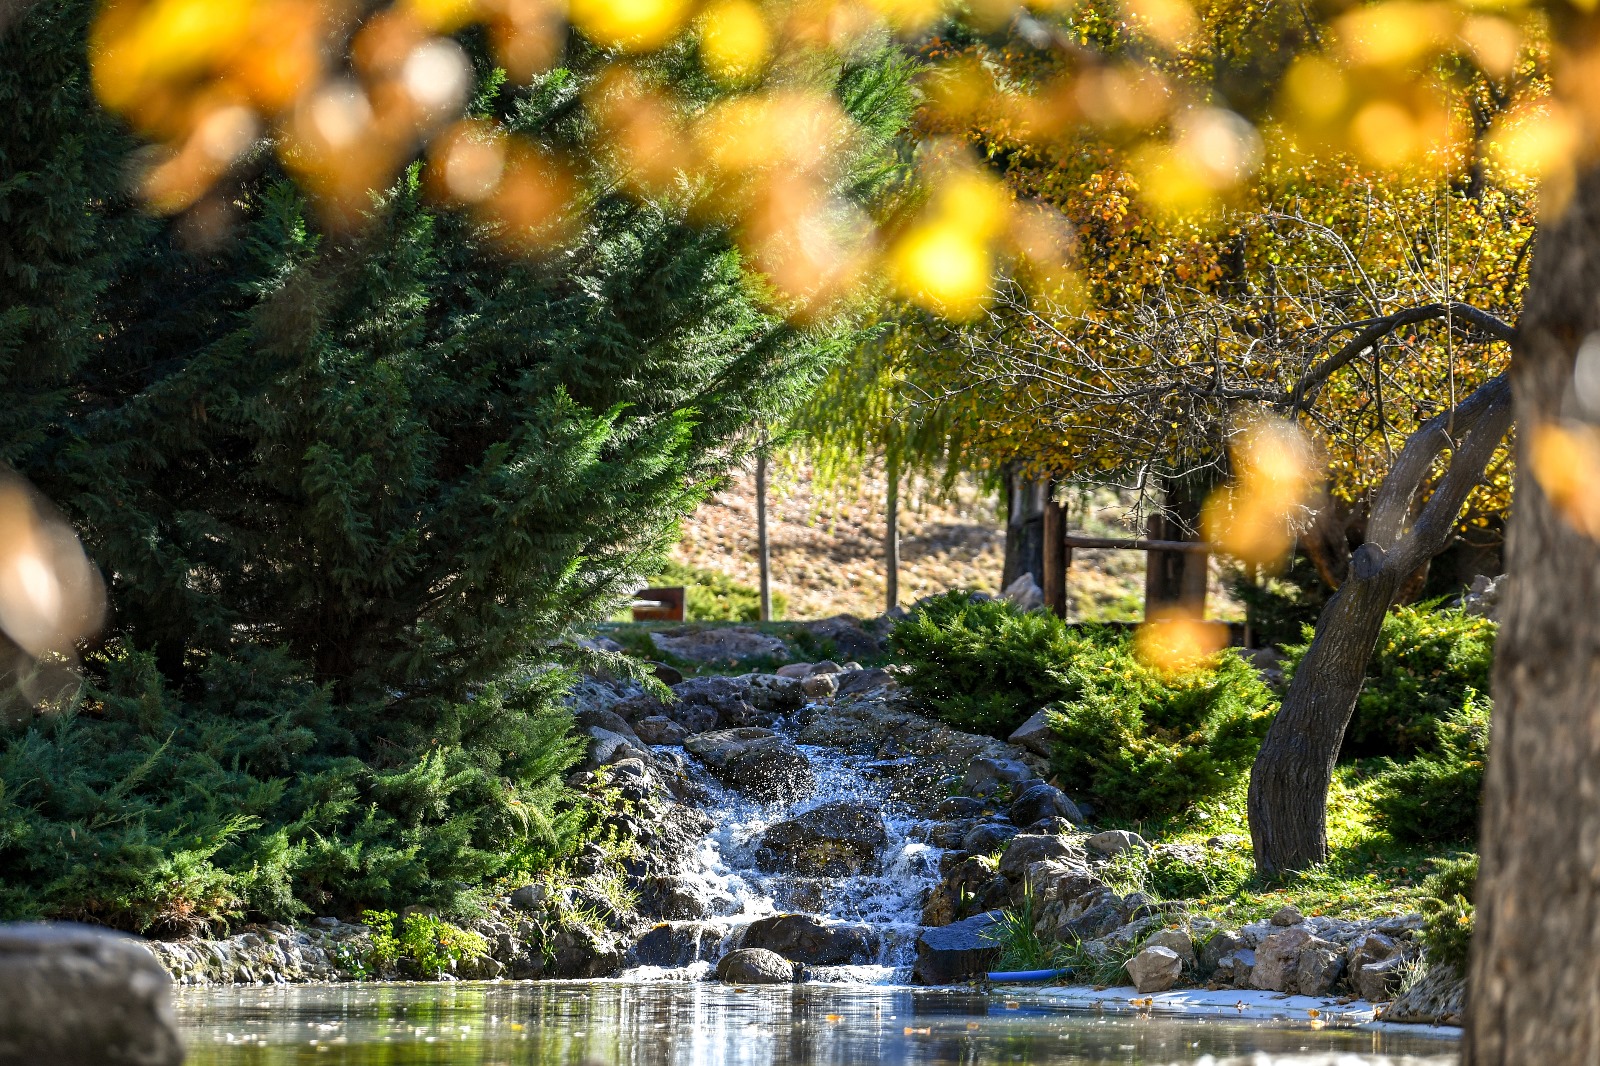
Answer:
(74, 994)
(721, 644)
(676, 944)
(1155, 969)
(1023, 851)
(757, 966)
(657, 730)
(754, 760)
(1039, 801)
(838, 839)
(988, 837)
(985, 776)
(957, 952)
(808, 939)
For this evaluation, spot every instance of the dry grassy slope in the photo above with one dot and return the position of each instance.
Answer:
(827, 555)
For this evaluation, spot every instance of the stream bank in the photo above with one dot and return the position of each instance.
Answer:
(804, 824)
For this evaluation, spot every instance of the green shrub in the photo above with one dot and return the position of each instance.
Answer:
(1436, 796)
(425, 946)
(1448, 912)
(1213, 873)
(255, 796)
(1145, 743)
(982, 665)
(1426, 663)
(712, 596)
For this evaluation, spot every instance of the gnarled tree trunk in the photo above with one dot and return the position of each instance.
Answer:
(1289, 781)
(1535, 976)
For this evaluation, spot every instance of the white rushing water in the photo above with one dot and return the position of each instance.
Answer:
(726, 874)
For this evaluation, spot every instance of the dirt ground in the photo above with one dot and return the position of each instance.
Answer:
(827, 553)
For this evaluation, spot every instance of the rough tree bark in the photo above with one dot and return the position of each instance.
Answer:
(1289, 782)
(1535, 976)
(891, 534)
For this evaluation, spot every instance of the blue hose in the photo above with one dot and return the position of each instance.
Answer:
(1027, 975)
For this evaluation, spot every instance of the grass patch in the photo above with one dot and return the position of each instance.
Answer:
(1368, 873)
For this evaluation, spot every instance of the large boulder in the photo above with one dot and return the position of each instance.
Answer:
(838, 839)
(957, 952)
(1296, 960)
(864, 682)
(755, 760)
(1438, 999)
(607, 748)
(1035, 734)
(987, 775)
(1379, 982)
(849, 639)
(658, 729)
(806, 938)
(74, 994)
(986, 837)
(1039, 801)
(1024, 851)
(1176, 940)
(675, 944)
(970, 887)
(1155, 969)
(756, 966)
(722, 644)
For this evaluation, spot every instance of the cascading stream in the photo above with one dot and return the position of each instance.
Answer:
(887, 897)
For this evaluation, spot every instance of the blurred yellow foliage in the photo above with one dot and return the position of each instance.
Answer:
(1177, 640)
(1565, 461)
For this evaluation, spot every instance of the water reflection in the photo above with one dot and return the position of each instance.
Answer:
(704, 1024)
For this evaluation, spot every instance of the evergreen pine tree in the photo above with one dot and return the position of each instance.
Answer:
(350, 490)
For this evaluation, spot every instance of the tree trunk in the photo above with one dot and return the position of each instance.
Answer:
(1535, 974)
(1289, 782)
(1025, 529)
(1056, 558)
(1177, 578)
(763, 552)
(891, 538)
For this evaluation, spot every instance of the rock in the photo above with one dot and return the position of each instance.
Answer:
(1023, 851)
(529, 897)
(609, 720)
(675, 944)
(1234, 969)
(986, 837)
(828, 666)
(1176, 940)
(1043, 801)
(1155, 969)
(657, 730)
(1370, 948)
(721, 644)
(806, 938)
(1320, 966)
(1051, 826)
(1035, 734)
(1099, 919)
(962, 807)
(820, 686)
(606, 747)
(986, 776)
(948, 835)
(848, 636)
(1438, 999)
(1286, 916)
(798, 671)
(879, 727)
(970, 887)
(671, 897)
(862, 682)
(839, 839)
(755, 760)
(667, 675)
(956, 952)
(1024, 592)
(1379, 982)
(756, 966)
(1114, 841)
(74, 995)
(1227, 840)
(1483, 598)
(1221, 944)
(1278, 960)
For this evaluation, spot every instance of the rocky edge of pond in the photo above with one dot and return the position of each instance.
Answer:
(1005, 832)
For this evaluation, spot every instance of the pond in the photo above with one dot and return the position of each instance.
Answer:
(681, 1023)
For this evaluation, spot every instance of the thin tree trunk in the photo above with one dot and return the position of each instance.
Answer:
(1289, 781)
(762, 550)
(891, 538)
(1288, 797)
(1535, 974)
